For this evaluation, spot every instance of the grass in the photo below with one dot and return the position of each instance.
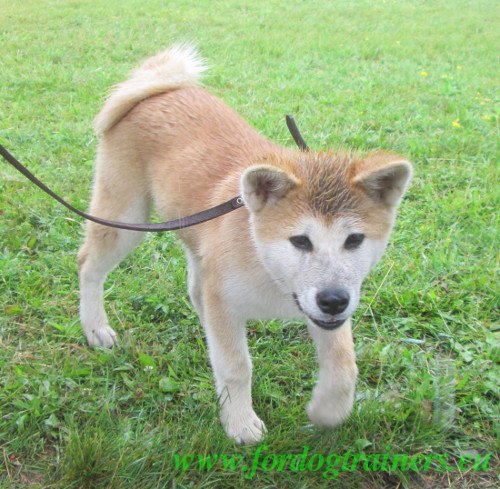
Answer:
(415, 77)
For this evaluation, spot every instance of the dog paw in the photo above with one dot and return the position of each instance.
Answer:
(104, 336)
(244, 428)
(328, 411)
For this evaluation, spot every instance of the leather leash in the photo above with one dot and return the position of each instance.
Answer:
(181, 223)
(294, 131)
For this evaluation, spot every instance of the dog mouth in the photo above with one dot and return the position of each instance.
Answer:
(296, 299)
(328, 325)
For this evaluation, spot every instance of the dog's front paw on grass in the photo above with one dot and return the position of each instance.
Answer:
(245, 428)
(104, 337)
(329, 411)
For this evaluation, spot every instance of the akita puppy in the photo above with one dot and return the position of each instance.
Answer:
(312, 227)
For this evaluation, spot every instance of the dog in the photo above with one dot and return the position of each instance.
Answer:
(313, 225)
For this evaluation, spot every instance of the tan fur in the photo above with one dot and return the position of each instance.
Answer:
(176, 67)
(168, 143)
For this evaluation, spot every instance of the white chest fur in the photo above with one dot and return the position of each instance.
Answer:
(252, 294)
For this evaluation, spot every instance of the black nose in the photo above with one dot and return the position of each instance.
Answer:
(332, 301)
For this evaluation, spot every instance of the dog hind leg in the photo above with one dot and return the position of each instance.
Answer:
(194, 282)
(120, 199)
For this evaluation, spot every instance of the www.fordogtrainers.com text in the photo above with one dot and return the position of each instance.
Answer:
(328, 465)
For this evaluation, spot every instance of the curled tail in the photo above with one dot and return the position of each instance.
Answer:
(178, 66)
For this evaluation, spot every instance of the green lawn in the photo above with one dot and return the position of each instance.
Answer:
(416, 77)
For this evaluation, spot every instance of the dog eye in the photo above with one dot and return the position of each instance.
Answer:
(301, 242)
(353, 241)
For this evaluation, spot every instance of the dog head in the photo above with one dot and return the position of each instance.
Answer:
(320, 222)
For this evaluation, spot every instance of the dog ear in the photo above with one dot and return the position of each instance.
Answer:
(384, 177)
(265, 184)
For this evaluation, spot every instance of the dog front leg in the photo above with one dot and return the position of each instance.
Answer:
(230, 359)
(333, 395)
